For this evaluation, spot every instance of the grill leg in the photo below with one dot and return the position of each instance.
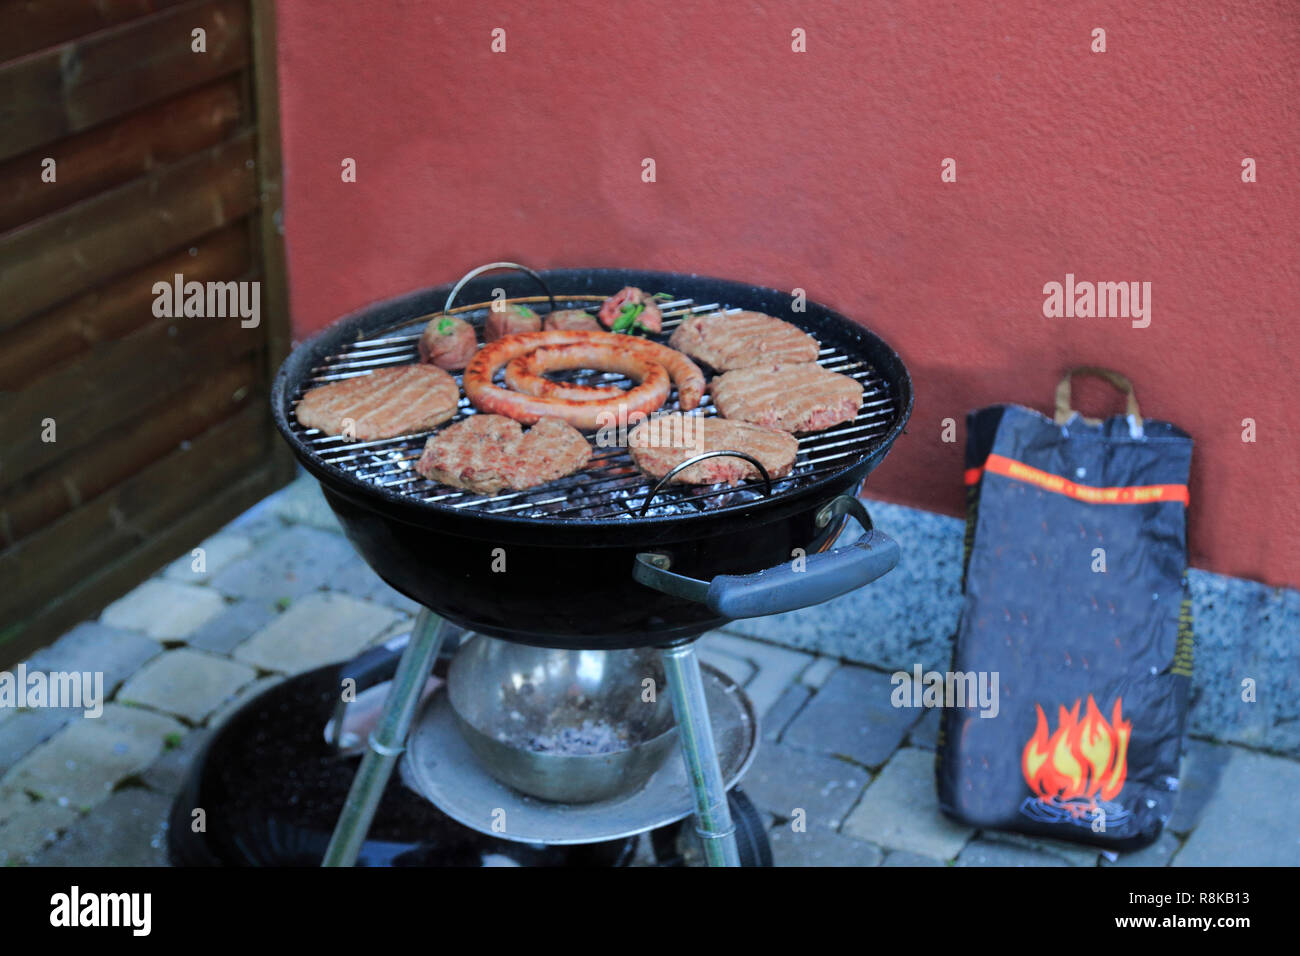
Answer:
(712, 815)
(387, 740)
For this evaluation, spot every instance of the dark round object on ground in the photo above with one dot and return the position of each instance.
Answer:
(272, 789)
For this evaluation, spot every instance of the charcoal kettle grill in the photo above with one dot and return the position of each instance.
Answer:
(605, 558)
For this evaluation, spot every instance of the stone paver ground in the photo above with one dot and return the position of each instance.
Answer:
(845, 778)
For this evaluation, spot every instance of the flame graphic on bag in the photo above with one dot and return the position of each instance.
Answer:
(1083, 759)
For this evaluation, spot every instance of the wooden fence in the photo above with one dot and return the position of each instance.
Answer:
(127, 156)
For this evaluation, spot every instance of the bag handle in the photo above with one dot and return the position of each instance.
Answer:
(1063, 410)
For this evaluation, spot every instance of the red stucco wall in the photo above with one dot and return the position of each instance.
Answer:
(822, 170)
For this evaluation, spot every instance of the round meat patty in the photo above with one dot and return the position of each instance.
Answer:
(802, 397)
(511, 320)
(382, 404)
(572, 320)
(660, 444)
(448, 342)
(742, 339)
(486, 453)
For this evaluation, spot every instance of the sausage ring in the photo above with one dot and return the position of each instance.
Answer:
(527, 374)
(591, 414)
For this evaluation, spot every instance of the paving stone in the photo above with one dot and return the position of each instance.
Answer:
(900, 810)
(1074, 854)
(287, 566)
(218, 551)
(187, 683)
(1249, 821)
(258, 522)
(127, 829)
(782, 779)
(236, 624)
(96, 647)
(818, 846)
(318, 630)
(777, 666)
(738, 670)
(80, 765)
(780, 714)
(819, 671)
(167, 774)
(852, 715)
(164, 610)
(926, 732)
(1202, 768)
(903, 858)
(32, 826)
(301, 502)
(1157, 854)
(27, 731)
(984, 853)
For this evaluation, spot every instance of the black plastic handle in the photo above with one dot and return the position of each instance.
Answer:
(790, 585)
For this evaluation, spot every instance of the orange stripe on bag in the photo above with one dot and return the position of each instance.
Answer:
(1133, 495)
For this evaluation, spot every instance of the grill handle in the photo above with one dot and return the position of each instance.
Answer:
(788, 586)
(492, 267)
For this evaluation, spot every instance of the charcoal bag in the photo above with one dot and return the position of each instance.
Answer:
(1076, 599)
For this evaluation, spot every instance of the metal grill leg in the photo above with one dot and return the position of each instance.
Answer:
(712, 815)
(387, 740)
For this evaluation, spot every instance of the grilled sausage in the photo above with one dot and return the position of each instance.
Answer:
(527, 374)
(645, 398)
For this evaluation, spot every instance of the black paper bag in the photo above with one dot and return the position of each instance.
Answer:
(1076, 597)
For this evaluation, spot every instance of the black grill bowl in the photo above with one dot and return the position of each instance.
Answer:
(567, 582)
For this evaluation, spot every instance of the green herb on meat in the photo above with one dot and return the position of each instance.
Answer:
(627, 318)
(445, 326)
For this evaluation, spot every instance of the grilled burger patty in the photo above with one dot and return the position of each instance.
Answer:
(742, 339)
(486, 453)
(660, 444)
(383, 404)
(802, 397)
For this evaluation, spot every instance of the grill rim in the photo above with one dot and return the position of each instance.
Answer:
(387, 312)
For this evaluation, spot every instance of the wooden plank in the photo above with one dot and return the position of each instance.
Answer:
(30, 25)
(107, 156)
(44, 497)
(83, 597)
(63, 255)
(46, 342)
(42, 566)
(77, 85)
(124, 380)
(270, 235)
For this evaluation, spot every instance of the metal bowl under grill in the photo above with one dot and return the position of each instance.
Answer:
(553, 565)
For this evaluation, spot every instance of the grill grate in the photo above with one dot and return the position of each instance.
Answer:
(611, 486)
